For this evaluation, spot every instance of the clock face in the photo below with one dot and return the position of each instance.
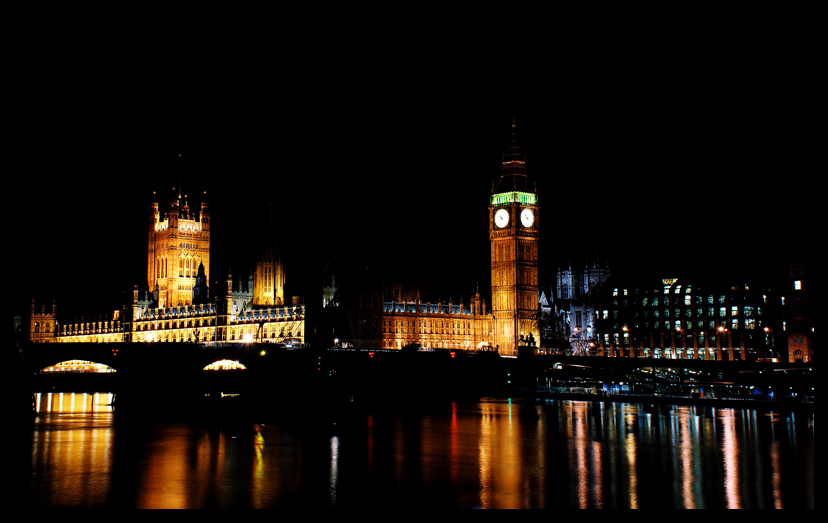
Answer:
(502, 218)
(527, 218)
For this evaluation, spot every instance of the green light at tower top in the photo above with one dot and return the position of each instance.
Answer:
(515, 197)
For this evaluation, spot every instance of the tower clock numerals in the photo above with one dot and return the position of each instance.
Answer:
(527, 218)
(502, 218)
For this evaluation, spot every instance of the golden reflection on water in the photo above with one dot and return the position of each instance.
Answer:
(72, 448)
(501, 468)
(488, 455)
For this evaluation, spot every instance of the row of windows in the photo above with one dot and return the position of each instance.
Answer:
(735, 311)
(749, 324)
(187, 267)
(427, 327)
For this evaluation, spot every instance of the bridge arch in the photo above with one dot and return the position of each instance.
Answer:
(77, 367)
(225, 365)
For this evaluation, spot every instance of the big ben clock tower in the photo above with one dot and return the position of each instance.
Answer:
(514, 220)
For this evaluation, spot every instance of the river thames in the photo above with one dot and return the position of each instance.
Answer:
(489, 454)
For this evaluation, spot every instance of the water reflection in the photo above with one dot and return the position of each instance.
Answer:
(72, 449)
(492, 454)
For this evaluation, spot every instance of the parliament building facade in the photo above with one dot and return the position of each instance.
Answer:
(177, 306)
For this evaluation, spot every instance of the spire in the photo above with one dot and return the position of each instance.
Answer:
(513, 170)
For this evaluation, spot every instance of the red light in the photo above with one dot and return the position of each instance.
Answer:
(371, 355)
(453, 355)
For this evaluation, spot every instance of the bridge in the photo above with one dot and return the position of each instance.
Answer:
(170, 372)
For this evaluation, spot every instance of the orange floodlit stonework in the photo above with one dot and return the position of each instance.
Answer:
(177, 307)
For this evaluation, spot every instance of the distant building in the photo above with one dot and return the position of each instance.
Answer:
(574, 300)
(799, 314)
(684, 318)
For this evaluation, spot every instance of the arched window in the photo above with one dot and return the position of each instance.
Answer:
(181, 267)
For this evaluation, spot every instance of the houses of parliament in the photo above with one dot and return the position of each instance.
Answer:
(179, 307)
(511, 320)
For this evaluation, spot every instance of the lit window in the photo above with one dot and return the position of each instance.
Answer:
(798, 285)
(734, 311)
(735, 324)
(723, 312)
(688, 300)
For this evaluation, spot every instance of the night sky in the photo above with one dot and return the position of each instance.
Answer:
(662, 183)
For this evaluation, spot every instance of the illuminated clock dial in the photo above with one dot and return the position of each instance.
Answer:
(502, 218)
(527, 218)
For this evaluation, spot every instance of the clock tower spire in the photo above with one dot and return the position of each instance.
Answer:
(514, 232)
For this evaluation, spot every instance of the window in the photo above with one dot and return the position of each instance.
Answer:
(723, 312)
(750, 324)
(710, 300)
(606, 315)
(734, 311)
(735, 324)
(749, 311)
(644, 303)
(721, 300)
(797, 285)
(655, 302)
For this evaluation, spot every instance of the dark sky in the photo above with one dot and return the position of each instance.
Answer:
(655, 178)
